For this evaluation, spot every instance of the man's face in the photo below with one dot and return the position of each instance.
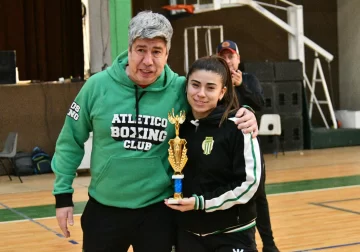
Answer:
(147, 59)
(232, 59)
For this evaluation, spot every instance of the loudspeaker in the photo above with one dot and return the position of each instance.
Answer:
(264, 71)
(292, 132)
(269, 98)
(288, 97)
(288, 71)
(7, 67)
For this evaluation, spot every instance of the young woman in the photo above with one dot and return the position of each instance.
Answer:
(223, 170)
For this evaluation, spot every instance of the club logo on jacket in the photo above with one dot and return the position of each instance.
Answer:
(140, 134)
(207, 145)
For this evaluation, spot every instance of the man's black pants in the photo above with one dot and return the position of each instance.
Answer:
(110, 229)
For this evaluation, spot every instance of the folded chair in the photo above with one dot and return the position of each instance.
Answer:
(9, 153)
(270, 125)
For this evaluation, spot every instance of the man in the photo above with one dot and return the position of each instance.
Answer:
(250, 92)
(126, 107)
(246, 85)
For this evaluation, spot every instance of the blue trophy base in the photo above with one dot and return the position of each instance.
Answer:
(177, 189)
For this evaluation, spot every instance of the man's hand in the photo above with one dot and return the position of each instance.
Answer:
(247, 122)
(236, 77)
(186, 204)
(65, 215)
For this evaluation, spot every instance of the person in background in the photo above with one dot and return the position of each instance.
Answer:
(249, 91)
(223, 171)
(247, 86)
(126, 107)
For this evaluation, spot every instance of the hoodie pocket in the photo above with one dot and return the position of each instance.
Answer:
(134, 181)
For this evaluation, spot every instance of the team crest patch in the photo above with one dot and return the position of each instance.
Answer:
(207, 145)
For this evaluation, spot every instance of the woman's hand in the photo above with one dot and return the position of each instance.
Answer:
(185, 204)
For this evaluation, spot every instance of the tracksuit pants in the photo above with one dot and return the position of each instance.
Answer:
(243, 241)
(263, 223)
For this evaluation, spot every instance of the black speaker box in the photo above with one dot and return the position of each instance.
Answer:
(288, 71)
(269, 98)
(7, 67)
(288, 96)
(264, 71)
(292, 134)
(291, 138)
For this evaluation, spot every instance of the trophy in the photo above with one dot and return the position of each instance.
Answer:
(177, 156)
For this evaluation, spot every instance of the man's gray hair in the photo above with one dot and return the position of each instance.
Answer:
(148, 25)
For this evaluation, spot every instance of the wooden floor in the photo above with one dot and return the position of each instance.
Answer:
(326, 219)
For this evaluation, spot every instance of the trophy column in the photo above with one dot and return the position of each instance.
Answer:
(177, 156)
(177, 188)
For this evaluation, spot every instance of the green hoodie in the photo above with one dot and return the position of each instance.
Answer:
(129, 165)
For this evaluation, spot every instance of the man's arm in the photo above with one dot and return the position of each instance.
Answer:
(69, 152)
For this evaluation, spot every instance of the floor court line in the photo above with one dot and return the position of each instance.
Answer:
(330, 247)
(335, 208)
(37, 223)
(310, 191)
(43, 218)
(335, 201)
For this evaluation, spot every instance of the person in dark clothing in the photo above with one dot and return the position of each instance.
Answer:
(247, 86)
(223, 171)
(250, 92)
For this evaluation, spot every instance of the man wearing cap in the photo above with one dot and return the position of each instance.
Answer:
(250, 92)
(247, 85)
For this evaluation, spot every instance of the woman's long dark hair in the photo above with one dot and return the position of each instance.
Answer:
(219, 66)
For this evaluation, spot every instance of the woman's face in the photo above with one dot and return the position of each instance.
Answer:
(204, 90)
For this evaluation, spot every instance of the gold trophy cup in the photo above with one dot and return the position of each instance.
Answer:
(177, 156)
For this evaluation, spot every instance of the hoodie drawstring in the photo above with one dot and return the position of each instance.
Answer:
(137, 115)
(196, 123)
(137, 111)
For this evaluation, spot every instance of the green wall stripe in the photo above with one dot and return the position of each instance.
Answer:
(120, 14)
(303, 185)
(7, 215)
(36, 211)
